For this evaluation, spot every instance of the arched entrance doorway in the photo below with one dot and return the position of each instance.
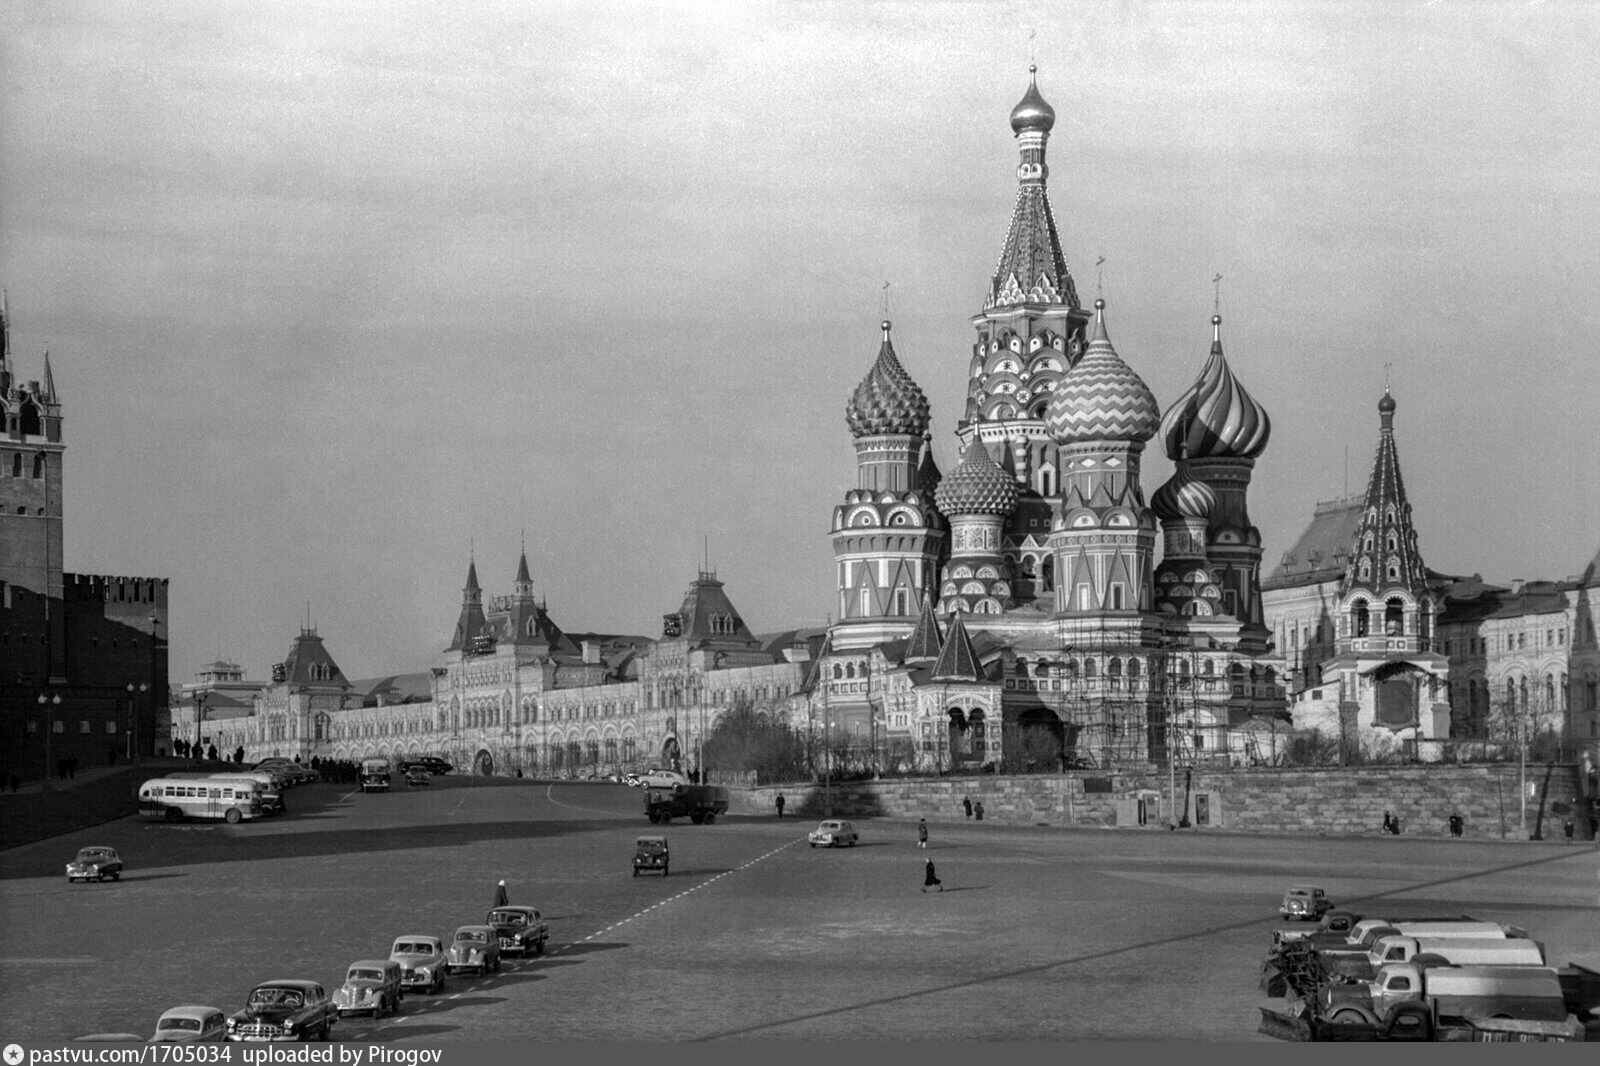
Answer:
(483, 763)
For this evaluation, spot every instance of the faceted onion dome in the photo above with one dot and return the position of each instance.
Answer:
(887, 401)
(1183, 496)
(1216, 418)
(977, 485)
(1032, 112)
(1386, 405)
(1101, 398)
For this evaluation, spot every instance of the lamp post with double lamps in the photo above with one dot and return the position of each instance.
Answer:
(48, 703)
(132, 730)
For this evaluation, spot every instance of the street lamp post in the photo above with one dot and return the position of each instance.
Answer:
(133, 721)
(199, 720)
(49, 703)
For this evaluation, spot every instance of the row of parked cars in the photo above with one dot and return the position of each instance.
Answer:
(287, 1009)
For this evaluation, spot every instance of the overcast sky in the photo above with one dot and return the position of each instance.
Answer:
(336, 294)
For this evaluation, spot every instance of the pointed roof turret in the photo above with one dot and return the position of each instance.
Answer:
(1101, 398)
(1384, 553)
(924, 644)
(1031, 268)
(887, 401)
(470, 622)
(1216, 417)
(928, 473)
(48, 390)
(958, 661)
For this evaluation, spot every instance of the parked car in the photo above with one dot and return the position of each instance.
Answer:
(656, 777)
(191, 1025)
(95, 864)
(650, 853)
(422, 962)
(285, 1009)
(370, 985)
(834, 834)
(632, 780)
(291, 771)
(1305, 903)
(431, 763)
(474, 947)
(418, 776)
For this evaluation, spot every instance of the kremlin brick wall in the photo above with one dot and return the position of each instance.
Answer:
(1304, 802)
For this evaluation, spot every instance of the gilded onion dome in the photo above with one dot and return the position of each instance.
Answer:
(1216, 418)
(977, 485)
(887, 401)
(1031, 111)
(1183, 496)
(1101, 398)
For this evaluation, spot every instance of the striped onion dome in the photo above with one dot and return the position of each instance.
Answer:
(1216, 418)
(977, 485)
(1183, 496)
(887, 401)
(1101, 398)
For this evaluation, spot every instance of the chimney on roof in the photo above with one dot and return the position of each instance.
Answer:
(797, 652)
(1516, 586)
(591, 651)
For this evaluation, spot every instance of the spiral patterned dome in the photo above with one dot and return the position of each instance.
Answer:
(887, 401)
(1101, 398)
(1183, 496)
(1216, 418)
(977, 485)
(1031, 111)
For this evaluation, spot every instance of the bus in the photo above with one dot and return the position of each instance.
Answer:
(374, 775)
(270, 799)
(176, 798)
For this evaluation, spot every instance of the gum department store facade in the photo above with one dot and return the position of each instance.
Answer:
(1011, 609)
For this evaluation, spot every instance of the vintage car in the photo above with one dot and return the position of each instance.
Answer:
(632, 780)
(521, 929)
(1305, 903)
(474, 947)
(656, 777)
(428, 763)
(650, 853)
(422, 962)
(370, 985)
(285, 1009)
(833, 833)
(418, 776)
(191, 1025)
(95, 864)
(291, 772)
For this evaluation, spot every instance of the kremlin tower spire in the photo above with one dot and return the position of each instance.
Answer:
(887, 536)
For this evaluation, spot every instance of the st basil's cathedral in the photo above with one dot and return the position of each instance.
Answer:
(1015, 606)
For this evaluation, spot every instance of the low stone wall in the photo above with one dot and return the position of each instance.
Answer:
(1331, 801)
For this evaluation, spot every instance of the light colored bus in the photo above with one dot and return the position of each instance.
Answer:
(267, 794)
(374, 775)
(176, 798)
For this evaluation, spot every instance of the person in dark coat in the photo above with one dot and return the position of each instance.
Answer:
(922, 832)
(779, 804)
(966, 805)
(500, 897)
(931, 879)
(977, 810)
(1567, 828)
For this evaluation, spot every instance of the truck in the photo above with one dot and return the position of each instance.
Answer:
(1455, 995)
(1466, 950)
(1299, 962)
(699, 803)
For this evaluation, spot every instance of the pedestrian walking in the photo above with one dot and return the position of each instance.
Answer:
(922, 832)
(977, 810)
(931, 879)
(1566, 828)
(1394, 826)
(1388, 821)
(966, 804)
(500, 897)
(779, 804)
